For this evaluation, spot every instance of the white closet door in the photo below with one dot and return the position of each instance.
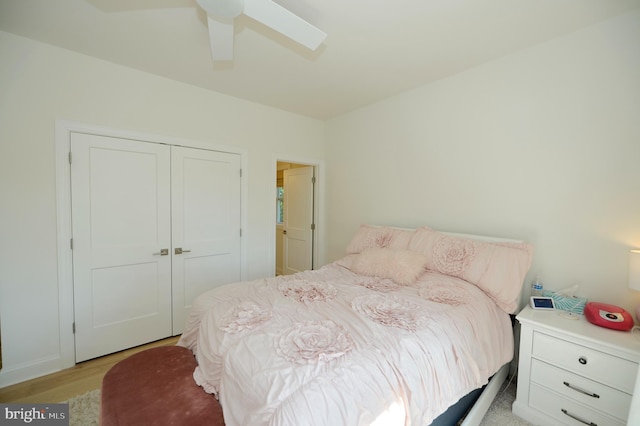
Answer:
(120, 192)
(205, 189)
(298, 220)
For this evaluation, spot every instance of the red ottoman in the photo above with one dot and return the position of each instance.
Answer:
(156, 387)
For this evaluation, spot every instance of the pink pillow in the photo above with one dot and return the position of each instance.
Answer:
(369, 236)
(496, 268)
(402, 266)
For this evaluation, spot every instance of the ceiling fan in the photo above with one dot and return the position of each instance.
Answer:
(220, 14)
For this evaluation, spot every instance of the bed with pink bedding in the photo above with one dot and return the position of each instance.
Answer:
(395, 332)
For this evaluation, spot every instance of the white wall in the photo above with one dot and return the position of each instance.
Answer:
(40, 84)
(542, 145)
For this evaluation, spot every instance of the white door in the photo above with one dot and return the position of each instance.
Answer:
(298, 220)
(205, 225)
(120, 192)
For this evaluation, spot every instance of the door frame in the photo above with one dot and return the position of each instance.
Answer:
(318, 203)
(63, 131)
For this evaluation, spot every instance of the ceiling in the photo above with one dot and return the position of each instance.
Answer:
(374, 48)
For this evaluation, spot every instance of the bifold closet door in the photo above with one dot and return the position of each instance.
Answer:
(205, 193)
(121, 202)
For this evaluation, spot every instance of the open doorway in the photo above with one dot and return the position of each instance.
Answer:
(295, 217)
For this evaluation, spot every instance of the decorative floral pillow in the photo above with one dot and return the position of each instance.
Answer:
(496, 268)
(369, 236)
(402, 266)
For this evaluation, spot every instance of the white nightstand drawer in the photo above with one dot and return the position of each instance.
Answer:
(566, 411)
(593, 394)
(602, 367)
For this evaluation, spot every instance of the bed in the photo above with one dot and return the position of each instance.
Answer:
(406, 325)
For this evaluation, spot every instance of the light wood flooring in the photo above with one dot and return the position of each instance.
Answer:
(81, 378)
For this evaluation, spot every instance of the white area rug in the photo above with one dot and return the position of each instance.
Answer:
(84, 410)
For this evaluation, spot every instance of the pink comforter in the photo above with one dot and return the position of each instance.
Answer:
(330, 347)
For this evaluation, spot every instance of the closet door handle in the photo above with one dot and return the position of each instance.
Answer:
(179, 250)
(162, 252)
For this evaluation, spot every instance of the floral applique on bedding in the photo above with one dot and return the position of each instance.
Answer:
(446, 292)
(245, 316)
(307, 292)
(313, 341)
(383, 285)
(390, 311)
(453, 256)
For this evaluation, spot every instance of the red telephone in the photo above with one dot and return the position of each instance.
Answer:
(609, 316)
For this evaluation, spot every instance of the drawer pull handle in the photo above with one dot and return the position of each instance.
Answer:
(573, 416)
(575, 388)
(582, 360)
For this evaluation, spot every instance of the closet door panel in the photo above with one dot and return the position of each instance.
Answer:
(120, 192)
(205, 189)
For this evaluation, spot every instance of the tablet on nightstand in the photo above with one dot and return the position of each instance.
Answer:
(541, 302)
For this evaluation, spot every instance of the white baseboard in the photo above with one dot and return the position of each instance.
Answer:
(31, 370)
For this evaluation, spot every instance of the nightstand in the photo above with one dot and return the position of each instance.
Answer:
(571, 372)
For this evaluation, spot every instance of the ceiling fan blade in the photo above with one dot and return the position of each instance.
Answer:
(222, 8)
(285, 22)
(221, 38)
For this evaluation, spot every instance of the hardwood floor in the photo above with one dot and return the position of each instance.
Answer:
(81, 378)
